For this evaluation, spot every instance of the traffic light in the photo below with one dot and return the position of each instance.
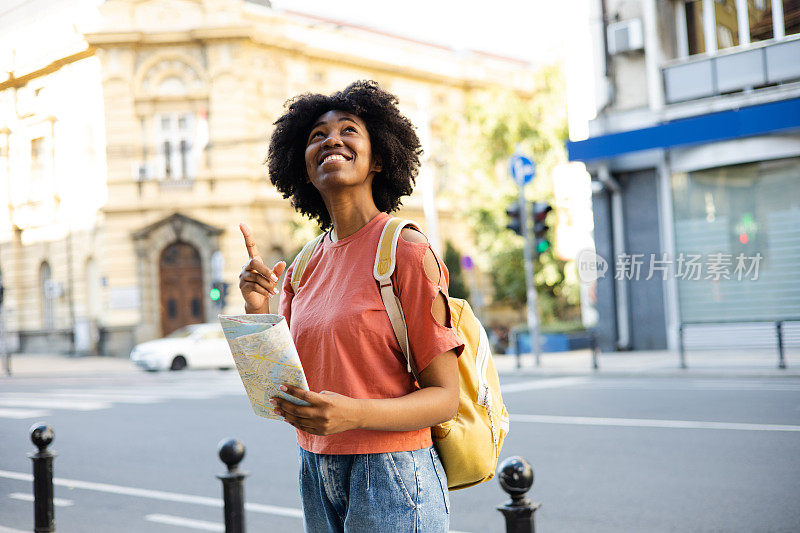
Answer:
(540, 227)
(218, 292)
(514, 218)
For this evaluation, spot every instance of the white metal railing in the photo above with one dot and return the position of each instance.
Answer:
(734, 70)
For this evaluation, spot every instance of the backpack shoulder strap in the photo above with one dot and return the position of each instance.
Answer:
(301, 261)
(385, 262)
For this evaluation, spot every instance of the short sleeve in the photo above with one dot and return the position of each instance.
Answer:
(287, 293)
(427, 338)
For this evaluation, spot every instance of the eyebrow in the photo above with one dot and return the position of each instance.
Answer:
(320, 123)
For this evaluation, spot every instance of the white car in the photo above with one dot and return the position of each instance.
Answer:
(192, 346)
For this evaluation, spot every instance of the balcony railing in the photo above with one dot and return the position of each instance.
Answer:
(760, 65)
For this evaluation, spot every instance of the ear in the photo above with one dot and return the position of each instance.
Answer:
(377, 164)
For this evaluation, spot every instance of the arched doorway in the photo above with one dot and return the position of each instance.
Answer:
(181, 279)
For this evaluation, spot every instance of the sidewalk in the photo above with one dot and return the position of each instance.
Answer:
(576, 363)
(653, 364)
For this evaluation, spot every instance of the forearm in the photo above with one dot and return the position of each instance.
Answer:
(420, 409)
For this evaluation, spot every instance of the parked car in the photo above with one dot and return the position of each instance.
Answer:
(192, 346)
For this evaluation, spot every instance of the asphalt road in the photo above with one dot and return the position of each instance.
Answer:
(138, 453)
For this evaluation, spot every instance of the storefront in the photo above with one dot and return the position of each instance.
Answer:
(706, 211)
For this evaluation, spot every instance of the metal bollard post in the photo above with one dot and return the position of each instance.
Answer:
(781, 358)
(681, 346)
(593, 337)
(516, 478)
(43, 511)
(231, 452)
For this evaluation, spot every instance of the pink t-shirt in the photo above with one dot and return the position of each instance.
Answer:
(345, 339)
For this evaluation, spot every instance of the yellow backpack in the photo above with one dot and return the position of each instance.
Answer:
(469, 443)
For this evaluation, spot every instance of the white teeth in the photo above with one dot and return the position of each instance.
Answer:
(334, 157)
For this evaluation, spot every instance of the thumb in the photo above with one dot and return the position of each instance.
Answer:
(279, 267)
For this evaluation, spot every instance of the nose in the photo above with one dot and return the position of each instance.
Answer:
(332, 140)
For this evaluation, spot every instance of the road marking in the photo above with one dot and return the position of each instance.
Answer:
(698, 386)
(647, 422)
(56, 403)
(23, 413)
(58, 396)
(160, 495)
(185, 522)
(156, 494)
(542, 384)
(4, 529)
(24, 496)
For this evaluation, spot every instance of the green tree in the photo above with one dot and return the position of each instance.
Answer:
(498, 123)
(452, 260)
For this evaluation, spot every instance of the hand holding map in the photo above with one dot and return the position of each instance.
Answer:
(265, 357)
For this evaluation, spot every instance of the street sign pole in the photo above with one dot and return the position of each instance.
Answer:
(522, 171)
(530, 288)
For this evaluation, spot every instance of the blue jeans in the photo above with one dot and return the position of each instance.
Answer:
(394, 492)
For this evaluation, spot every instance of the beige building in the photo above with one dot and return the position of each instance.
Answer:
(132, 140)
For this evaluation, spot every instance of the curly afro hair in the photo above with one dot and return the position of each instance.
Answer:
(393, 138)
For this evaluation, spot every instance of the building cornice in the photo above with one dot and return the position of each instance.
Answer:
(21, 81)
(457, 64)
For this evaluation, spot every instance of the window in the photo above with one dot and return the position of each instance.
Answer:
(727, 23)
(175, 136)
(791, 16)
(759, 13)
(750, 211)
(38, 169)
(712, 25)
(694, 27)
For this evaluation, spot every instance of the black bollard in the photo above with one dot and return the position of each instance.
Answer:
(43, 511)
(515, 476)
(231, 452)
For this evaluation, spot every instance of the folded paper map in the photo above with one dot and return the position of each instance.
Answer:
(265, 357)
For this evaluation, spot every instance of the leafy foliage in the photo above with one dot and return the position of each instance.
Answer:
(452, 260)
(497, 124)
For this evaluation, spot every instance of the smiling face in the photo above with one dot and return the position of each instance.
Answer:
(339, 152)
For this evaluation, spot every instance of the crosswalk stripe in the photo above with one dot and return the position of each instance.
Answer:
(22, 413)
(4, 529)
(85, 396)
(185, 522)
(55, 403)
(24, 496)
(647, 422)
(542, 384)
(156, 494)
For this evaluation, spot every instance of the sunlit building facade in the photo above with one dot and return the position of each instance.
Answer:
(132, 141)
(695, 157)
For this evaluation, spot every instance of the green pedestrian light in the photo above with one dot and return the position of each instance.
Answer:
(542, 246)
(540, 226)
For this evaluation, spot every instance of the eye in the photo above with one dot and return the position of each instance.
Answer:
(316, 134)
(351, 128)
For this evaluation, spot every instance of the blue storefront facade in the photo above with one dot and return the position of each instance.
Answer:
(696, 190)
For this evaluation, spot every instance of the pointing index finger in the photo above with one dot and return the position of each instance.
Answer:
(249, 242)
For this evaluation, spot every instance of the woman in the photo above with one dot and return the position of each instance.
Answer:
(366, 456)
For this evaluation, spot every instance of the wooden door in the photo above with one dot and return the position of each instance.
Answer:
(181, 277)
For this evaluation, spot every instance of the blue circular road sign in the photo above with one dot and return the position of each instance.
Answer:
(521, 168)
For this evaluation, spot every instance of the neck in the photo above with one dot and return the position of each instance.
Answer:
(349, 214)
